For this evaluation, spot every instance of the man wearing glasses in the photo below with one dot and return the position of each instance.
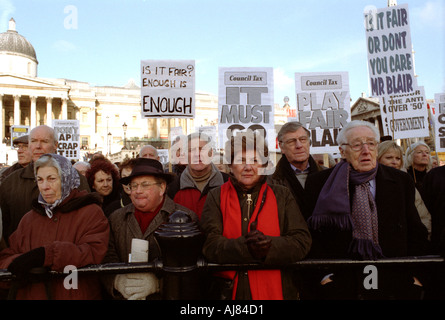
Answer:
(363, 210)
(150, 207)
(23, 156)
(296, 163)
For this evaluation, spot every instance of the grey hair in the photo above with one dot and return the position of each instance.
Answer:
(410, 151)
(341, 138)
(148, 146)
(291, 126)
(47, 161)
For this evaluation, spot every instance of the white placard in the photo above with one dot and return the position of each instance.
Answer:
(439, 121)
(323, 107)
(388, 42)
(168, 88)
(405, 115)
(245, 101)
(68, 134)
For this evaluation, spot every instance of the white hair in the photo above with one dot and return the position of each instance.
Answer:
(341, 138)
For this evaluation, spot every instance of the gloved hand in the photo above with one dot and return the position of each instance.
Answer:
(25, 262)
(136, 286)
(258, 244)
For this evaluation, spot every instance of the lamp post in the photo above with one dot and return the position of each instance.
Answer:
(124, 127)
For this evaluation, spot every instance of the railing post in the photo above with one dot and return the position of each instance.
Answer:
(181, 243)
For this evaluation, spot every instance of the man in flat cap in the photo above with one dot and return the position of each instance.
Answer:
(23, 156)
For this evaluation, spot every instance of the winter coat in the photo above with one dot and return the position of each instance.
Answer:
(293, 244)
(434, 198)
(77, 235)
(124, 227)
(285, 176)
(17, 193)
(184, 191)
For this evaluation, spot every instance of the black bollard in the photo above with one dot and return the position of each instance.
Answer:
(181, 244)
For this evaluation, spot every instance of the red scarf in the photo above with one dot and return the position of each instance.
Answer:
(264, 284)
(145, 218)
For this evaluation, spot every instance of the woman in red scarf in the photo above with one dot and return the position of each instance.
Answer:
(248, 221)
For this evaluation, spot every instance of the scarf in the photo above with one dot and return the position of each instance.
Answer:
(335, 210)
(264, 284)
(69, 180)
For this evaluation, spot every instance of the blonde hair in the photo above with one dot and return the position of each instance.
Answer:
(386, 146)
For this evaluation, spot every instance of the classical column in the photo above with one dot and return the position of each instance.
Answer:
(17, 120)
(2, 125)
(49, 111)
(33, 117)
(64, 109)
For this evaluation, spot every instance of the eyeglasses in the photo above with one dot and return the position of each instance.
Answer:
(144, 185)
(293, 141)
(21, 146)
(358, 145)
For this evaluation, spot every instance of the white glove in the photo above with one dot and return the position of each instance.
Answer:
(136, 286)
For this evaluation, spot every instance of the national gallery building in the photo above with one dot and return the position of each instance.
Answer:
(107, 114)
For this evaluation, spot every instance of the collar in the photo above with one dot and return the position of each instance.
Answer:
(296, 170)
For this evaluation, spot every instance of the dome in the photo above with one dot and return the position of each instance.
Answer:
(11, 42)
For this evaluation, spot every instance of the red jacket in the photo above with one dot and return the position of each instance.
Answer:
(77, 235)
(184, 191)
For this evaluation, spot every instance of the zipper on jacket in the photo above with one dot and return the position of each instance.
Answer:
(249, 204)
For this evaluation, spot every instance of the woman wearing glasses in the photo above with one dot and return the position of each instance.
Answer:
(149, 208)
(362, 210)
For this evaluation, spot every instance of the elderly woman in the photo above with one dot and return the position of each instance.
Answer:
(418, 162)
(391, 155)
(248, 221)
(150, 207)
(65, 227)
(103, 177)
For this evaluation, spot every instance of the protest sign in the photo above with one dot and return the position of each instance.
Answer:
(323, 107)
(391, 69)
(69, 138)
(18, 131)
(405, 115)
(168, 88)
(390, 61)
(245, 102)
(439, 121)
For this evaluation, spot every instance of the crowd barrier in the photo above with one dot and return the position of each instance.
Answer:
(181, 264)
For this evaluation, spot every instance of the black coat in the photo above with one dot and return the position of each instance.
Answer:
(433, 195)
(401, 232)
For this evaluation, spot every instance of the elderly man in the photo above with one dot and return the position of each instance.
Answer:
(296, 163)
(199, 177)
(23, 156)
(149, 152)
(363, 210)
(19, 189)
(150, 208)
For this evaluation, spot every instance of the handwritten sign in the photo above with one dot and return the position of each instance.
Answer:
(439, 121)
(390, 61)
(168, 88)
(69, 138)
(323, 107)
(245, 102)
(405, 115)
